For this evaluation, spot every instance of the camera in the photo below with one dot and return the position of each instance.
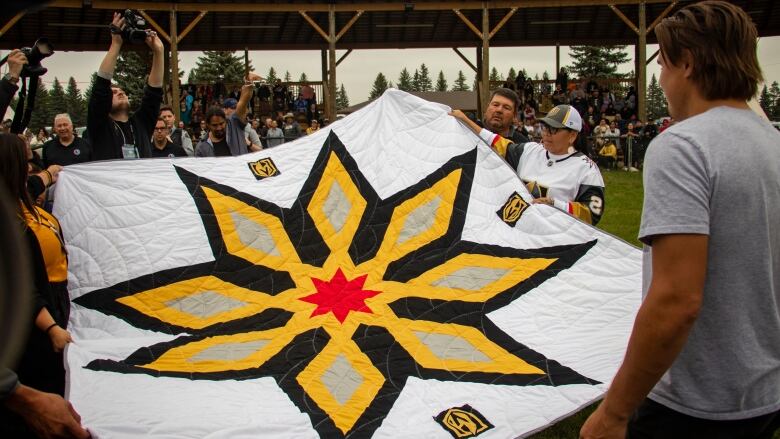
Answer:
(133, 31)
(35, 54)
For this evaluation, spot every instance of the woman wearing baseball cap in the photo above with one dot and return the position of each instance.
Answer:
(554, 173)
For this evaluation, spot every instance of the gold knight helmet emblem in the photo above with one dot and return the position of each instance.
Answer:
(463, 422)
(511, 211)
(264, 168)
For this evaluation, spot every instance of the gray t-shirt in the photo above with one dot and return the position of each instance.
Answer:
(718, 174)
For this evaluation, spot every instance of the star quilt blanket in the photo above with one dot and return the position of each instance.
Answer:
(383, 277)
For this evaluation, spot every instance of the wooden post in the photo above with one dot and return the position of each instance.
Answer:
(485, 71)
(641, 70)
(324, 59)
(557, 59)
(478, 85)
(331, 109)
(174, 65)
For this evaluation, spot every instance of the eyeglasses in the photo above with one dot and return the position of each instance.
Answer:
(160, 128)
(548, 129)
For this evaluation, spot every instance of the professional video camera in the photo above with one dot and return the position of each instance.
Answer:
(133, 31)
(35, 54)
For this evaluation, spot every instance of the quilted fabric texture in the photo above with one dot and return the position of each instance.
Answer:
(384, 277)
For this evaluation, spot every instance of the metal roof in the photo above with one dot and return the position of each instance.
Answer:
(277, 25)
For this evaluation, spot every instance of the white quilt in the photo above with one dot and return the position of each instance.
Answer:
(384, 277)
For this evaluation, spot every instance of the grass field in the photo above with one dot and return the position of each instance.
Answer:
(621, 218)
(623, 202)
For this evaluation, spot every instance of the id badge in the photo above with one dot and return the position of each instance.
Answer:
(129, 151)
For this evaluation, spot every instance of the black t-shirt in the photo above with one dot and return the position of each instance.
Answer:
(170, 150)
(221, 149)
(54, 153)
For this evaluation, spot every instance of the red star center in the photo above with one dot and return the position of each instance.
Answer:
(340, 296)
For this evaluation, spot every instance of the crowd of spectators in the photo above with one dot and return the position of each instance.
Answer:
(612, 133)
(290, 107)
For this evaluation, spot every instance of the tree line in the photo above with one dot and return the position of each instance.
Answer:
(769, 99)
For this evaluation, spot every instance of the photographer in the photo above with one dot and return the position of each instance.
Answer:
(113, 131)
(9, 83)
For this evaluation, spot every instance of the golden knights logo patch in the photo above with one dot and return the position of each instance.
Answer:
(463, 422)
(264, 168)
(511, 211)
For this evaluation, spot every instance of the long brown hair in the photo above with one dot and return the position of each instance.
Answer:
(721, 39)
(13, 170)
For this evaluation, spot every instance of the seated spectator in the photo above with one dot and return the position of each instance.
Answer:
(291, 128)
(608, 156)
(313, 127)
(614, 133)
(39, 139)
(600, 133)
(66, 148)
(633, 147)
(300, 105)
(528, 112)
(275, 135)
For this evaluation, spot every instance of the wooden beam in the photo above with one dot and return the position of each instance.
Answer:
(314, 24)
(652, 57)
(502, 22)
(641, 73)
(331, 111)
(160, 31)
(323, 6)
(192, 24)
(343, 56)
(625, 19)
(11, 23)
(484, 80)
(174, 40)
(661, 17)
(468, 23)
(466, 60)
(348, 25)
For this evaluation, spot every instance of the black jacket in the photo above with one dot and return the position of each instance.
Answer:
(105, 134)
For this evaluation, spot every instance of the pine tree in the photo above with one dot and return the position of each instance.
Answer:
(380, 85)
(75, 104)
(766, 101)
(774, 92)
(57, 98)
(88, 91)
(656, 101)
(303, 78)
(424, 82)
(342, 101)
(441, 83)
(132, 68)
(597, 61)
(271, 76)
(287, 77)
(494, 75)
(512, 74)
(219, 66)
(41, 115)
(405, 81)
(545, 76)
(460, 83)
(416, 80)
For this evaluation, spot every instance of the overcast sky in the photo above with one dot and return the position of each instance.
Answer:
(358, 71)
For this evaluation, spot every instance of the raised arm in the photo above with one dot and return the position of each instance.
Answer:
(108, 65)
(156, 74)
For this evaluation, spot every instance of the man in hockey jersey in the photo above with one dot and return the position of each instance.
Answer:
(553, 171)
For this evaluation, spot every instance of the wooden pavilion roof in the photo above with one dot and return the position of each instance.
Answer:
(279, 25)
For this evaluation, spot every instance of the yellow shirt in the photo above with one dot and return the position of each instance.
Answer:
(47, 230)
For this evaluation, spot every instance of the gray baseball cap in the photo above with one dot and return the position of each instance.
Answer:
(563, 116)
